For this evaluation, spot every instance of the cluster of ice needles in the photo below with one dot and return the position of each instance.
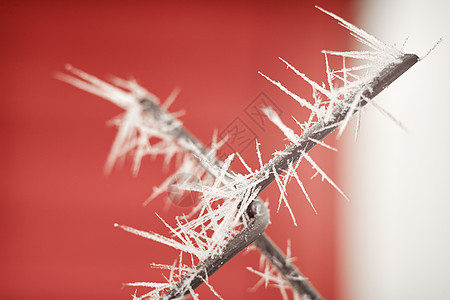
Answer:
(147, 128)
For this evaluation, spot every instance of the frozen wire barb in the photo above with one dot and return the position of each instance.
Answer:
(230, 216)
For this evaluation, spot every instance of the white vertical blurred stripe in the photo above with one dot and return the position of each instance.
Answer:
(395, 232)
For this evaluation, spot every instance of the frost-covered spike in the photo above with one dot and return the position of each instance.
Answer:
(347, 71)
(315, 175)
(302, 187)
(162, 239)
(289, 173)
(173, 267)
(302, 126)
(297, 98)
(96, 86)
(180, 272)
(149, 284)
(211, 288)
(275, 119)
(258, 153)
(173, 95)
(317, 103)
(311, 82)
(373, 56)
(281, 188)
(324, 175)
(193, 294)
(283, 287)
(134, 88)
(176, 233)
(141, 151)
(323, 144)
(292, 172)
(333, 97)
(244, 163)
(178, 113)
(353, 107)
(125, 137)
(372, 41)
(283, 195)
(223, 171)
(432, 48)
(288, 250)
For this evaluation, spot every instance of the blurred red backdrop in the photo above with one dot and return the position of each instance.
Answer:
(58, 208)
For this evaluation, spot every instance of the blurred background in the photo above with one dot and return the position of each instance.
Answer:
(58, 207)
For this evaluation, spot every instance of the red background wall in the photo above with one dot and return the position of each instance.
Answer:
(57, 207)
